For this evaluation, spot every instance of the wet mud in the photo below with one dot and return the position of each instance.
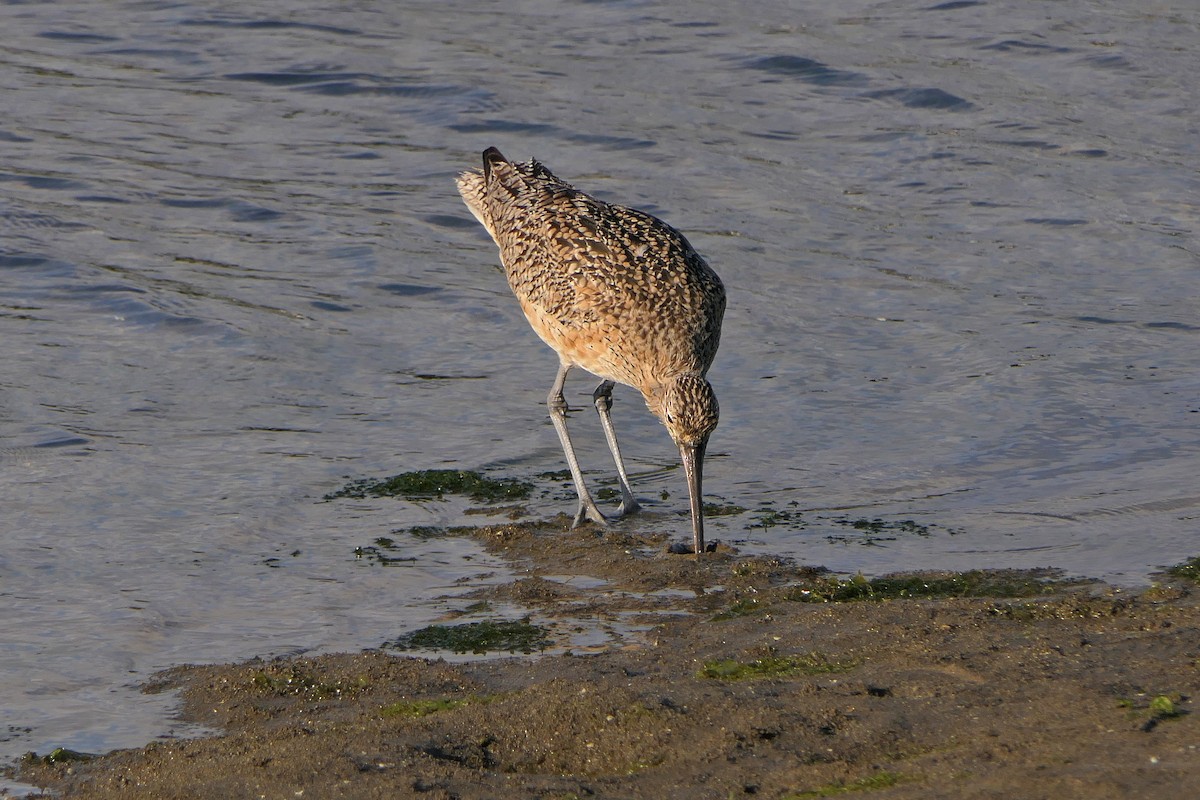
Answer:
(664, 675)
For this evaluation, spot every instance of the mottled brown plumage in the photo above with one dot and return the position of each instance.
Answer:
(615, 291)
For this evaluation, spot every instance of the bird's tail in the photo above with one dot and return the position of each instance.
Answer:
(473, 187)
(491, 159)
(503, 184)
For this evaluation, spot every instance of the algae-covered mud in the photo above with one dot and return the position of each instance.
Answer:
(723, 676)
(436, 483)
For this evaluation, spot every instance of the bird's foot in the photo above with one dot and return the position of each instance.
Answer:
(588, 511)
(628, 506)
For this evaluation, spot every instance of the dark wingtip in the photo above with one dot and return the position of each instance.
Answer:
(492, 156)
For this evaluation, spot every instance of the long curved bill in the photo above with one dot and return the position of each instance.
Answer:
(693, 470)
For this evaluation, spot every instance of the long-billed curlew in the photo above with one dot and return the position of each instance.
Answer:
(614, 291)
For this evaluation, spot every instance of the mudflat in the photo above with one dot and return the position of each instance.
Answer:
(717, 677)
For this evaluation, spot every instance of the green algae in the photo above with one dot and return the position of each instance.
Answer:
(435, 484)
(871, 532)
(723, 509)
(1188, 570)
(1164, 707)
(769, 517)
(973, 583)
(773, 667)
(489, 636)
(1158, 709)
(382, 553)
(59, 755)
(862, 530)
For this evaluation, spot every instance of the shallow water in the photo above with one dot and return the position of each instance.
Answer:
(958, 239)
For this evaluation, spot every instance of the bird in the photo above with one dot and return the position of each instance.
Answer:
(616, 292)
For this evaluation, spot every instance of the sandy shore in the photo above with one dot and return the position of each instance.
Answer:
(730, 677)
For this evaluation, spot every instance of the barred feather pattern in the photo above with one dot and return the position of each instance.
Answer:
(613, 290)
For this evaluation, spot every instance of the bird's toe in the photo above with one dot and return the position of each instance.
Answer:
(589, 512)
(628, 507)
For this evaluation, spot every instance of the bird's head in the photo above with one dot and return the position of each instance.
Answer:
(688, 407)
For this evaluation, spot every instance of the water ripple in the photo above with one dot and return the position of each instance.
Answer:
(43, 181)
(923, 98)
(807, 69)
(1023, 46)
(270, 25)
(73, 36)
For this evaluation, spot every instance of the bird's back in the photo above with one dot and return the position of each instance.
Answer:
(612, 289)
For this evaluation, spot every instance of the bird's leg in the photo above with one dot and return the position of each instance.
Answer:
(603, 398)
(558, 415)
